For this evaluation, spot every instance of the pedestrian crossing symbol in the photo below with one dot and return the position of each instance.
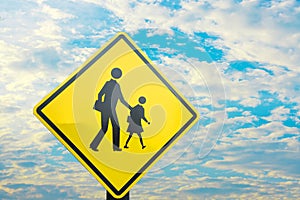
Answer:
(117, 114)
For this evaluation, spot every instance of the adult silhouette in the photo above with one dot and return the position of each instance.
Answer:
(109, 96)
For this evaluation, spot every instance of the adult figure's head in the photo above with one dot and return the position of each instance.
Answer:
(142, 100)
(116, 73)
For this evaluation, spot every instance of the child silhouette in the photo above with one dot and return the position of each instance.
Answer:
(134, 120)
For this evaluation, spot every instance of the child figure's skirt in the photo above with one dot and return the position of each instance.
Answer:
(133, 127)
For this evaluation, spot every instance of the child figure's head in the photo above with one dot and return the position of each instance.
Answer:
(142, 100)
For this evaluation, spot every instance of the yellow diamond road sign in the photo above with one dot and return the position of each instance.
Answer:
(117, 114)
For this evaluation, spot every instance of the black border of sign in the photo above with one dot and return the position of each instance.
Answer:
(78, 152)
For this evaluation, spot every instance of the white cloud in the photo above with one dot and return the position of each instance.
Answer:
(224, 185)
(278, 164)
(250, 102)
(245, 86)
(9, 53)
(49, 30)
(254, 33)
(272, 132)
(55, 13)
(278, 114)
(232, 109)
(246, 113)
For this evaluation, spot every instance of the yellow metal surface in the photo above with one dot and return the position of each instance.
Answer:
(68, 113)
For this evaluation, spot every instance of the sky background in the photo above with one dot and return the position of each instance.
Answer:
(237, 61)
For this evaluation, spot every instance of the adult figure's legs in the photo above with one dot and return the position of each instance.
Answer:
(116, 132)
(104, 125)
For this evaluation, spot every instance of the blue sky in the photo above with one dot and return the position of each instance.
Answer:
(236, 61)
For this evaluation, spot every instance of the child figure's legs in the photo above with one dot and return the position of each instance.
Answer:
(128, 140)
(141, 140)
